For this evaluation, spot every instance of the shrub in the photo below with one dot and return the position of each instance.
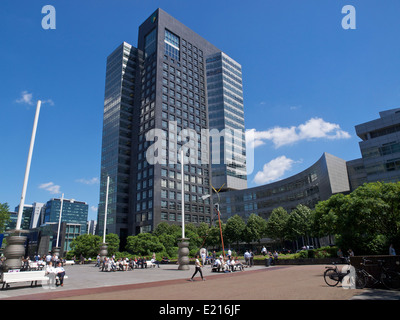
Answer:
(319, 254)
(303, 254)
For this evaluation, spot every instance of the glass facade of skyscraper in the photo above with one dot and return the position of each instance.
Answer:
(225, 106)
(122, 66)
(73, 212)
(172, 101)
(165, 110)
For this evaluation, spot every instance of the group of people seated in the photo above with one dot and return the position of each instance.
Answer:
(56, 273)
(231, 264)
(39, 262)
(112, 264)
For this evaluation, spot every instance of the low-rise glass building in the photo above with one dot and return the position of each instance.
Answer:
(326, 177)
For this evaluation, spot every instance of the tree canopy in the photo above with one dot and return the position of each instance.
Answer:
(4, 216)
(366, 220)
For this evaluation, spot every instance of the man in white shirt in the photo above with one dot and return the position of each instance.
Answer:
(154, 261)
(232, 264)
(48, 258)
(51, 273)
(60, 273)
(228, 265)
(264, 251)
(217, 265)
(247, 257)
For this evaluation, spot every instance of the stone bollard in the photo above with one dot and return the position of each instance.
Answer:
(183, 254)
(14, 252)
(56, 251)
(103, 251)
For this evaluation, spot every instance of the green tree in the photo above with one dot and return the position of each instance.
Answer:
(112, 241)
(214, 237)
(366, 220)
(144, 244)
(326, 215)
(4, 216)
(162, 228)
(169, 243)
(256, 228)
(234, 229)
(277, 225)
(299, 222)
(86, 244)
(202, 231)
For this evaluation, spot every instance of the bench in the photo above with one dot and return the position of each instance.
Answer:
(36, 265)
(69, 262)
(58, 279)
(236, 267)
(24, 276)
(148, 265)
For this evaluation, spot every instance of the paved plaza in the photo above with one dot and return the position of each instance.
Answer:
(86, 282)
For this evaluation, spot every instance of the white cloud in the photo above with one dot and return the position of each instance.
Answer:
(273, 170)
(89, 181)
(315, 128)
(26, 98)
(50, 187)
(48, 101)
(93, 208)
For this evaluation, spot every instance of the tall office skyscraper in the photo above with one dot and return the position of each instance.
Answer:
(155, 103)
(225, 107)
(123, 67)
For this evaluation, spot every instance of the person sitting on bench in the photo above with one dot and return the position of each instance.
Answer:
(217, 265)
(60, 273)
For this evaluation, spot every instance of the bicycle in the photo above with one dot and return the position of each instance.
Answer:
(388, 277)
(333, 276)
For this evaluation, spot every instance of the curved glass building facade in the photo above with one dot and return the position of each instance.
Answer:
(324, 178)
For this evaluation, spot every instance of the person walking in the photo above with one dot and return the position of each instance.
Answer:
(247, 258)
(98, 260)
(198, 267)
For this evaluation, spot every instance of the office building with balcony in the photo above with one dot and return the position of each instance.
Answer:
(380, 150)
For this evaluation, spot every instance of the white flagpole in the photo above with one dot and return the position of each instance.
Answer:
(59, 219)
(28, 167)
(183, 195)
(105, 211)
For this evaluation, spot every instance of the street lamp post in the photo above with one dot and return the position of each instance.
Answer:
(15, 248)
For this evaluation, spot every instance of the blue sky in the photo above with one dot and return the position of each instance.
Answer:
(307, 81)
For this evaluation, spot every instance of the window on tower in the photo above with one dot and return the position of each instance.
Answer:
(171, 45)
